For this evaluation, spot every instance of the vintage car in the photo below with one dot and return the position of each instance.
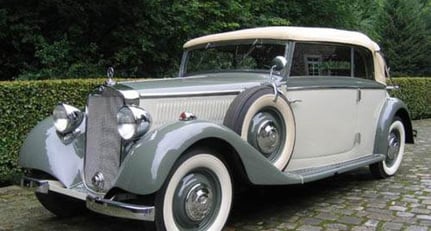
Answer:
(261, 106)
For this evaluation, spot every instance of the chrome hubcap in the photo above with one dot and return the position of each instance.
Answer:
(393, 148)
(199, 201)
(268, 138)
(266, 133)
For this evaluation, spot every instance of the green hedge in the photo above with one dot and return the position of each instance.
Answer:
(23, 104)
(416, 93)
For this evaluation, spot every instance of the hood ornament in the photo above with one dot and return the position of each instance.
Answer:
(110, 73)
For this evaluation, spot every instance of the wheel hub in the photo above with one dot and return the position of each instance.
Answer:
(268, 137)
(394, 146)
(198, 202)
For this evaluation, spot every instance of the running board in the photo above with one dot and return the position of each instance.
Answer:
(312, 174)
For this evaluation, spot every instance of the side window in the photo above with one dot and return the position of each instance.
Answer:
(363, 60)
(313, 59)
(310, 59)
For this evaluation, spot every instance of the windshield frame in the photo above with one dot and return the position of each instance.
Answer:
(251, 42)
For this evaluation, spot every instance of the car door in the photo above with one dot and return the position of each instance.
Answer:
(324, 100)
(372, 97)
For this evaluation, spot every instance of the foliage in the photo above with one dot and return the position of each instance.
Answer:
(62, 38)
(416, 94)
(23, 104)
(405, 37)
(49, 39)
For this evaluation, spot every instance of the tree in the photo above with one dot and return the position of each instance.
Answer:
(404, 37)
(43, 39)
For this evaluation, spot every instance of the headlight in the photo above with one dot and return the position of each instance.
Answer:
(66, 118)
(133, 122)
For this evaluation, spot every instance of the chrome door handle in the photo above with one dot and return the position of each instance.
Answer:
(294, 101)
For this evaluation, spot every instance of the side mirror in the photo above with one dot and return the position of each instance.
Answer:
(278, 63)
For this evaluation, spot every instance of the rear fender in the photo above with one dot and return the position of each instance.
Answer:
(392, 107)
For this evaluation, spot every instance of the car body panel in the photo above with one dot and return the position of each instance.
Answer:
(152, 158)
(43, 150)
(335, 101)
(392, 107)
(200, 84)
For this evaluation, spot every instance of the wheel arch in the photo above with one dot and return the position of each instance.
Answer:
(229, 155)
(404, 115)
(393, 107)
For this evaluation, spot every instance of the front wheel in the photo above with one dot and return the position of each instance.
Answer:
(395, 153)
(197, 195)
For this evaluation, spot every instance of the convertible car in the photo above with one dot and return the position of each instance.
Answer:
(261, 106)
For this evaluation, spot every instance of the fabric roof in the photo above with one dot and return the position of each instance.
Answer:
(311, 34)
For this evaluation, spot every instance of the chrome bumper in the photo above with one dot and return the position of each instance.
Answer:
(44, 186)
(120, 209)
(96, 204)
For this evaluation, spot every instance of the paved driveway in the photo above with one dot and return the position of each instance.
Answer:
(352, 201)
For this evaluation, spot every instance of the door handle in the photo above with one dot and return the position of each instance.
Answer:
(294, 101)
(359, 96)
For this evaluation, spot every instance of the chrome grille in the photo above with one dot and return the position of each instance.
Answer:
(103, 144)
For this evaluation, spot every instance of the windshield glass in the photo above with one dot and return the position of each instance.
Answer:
(249, 56)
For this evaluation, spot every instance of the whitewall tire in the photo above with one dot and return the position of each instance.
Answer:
(196, 196)
(265, 123)
(395, 153)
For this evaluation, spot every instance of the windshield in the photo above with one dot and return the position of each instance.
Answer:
(248, 56)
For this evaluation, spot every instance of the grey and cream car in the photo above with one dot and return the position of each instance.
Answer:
(262, 106)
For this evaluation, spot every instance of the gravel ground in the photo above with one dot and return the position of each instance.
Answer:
(351, 201)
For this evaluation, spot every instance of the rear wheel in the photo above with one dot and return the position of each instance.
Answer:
(395, 153)
(197, 195)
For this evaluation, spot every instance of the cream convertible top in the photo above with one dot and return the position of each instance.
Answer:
(290, 33)
(308, 34)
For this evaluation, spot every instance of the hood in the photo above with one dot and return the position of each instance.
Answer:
(209, 83)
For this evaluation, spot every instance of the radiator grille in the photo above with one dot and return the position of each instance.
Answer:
(103, 145)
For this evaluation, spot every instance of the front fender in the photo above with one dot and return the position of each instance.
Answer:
(43, 150)
(147, 166)
(392, 107)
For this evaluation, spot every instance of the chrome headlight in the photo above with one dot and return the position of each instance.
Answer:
(132, 122)
(66, 118)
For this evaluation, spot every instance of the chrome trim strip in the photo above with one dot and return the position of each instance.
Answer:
(330, 87)
(190, 94)
(44, 186)
(120, 209)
